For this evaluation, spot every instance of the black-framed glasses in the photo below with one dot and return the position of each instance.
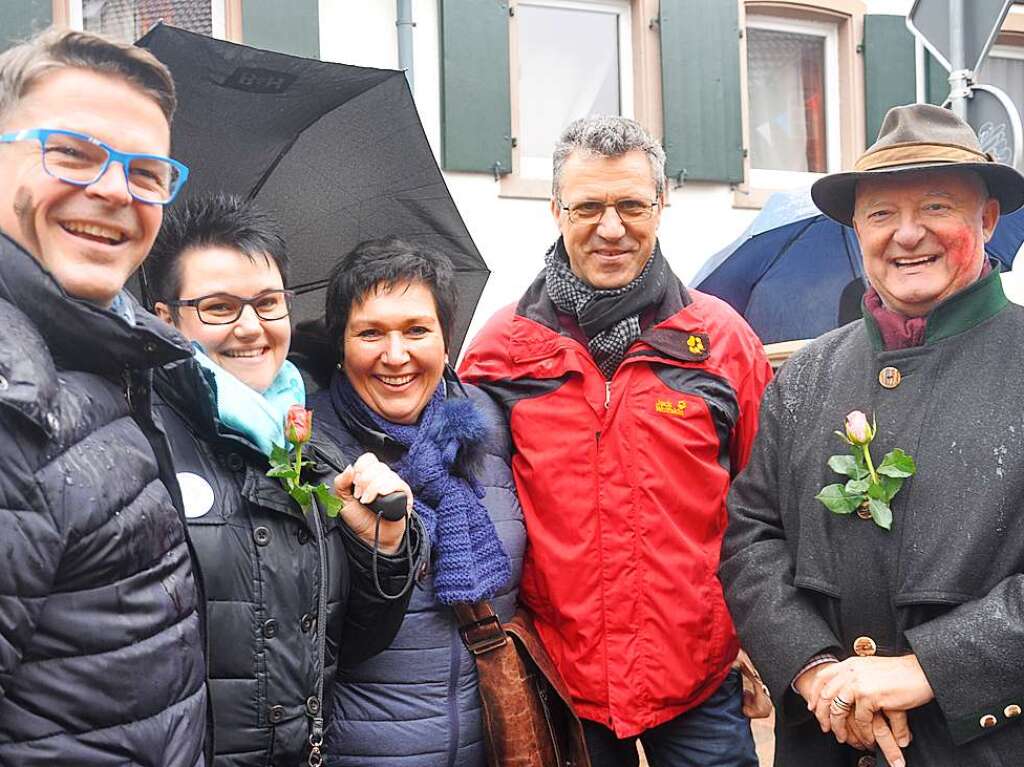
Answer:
(591, 211)
(224, 308)
(80, 159)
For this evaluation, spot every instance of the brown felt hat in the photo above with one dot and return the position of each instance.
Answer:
(919, 137)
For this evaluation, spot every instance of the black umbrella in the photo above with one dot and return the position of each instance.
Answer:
(335, 152)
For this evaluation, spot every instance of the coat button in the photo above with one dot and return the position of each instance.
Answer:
(1011, 711)
(235, 462)
(866, 761)
(275, 714)
(270, 629)
(304, 536)
(864, 647)
(312, 705)
(890, 377)
(149, 347)
(988, 721)
(307, 623)
(261, 535)
(3, 383)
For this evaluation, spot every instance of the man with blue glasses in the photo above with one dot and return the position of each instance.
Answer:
(101, 631)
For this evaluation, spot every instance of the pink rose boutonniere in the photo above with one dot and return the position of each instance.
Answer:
(870, 490)
(298, 428)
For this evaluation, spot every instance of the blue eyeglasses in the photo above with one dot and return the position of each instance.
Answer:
(82, 160)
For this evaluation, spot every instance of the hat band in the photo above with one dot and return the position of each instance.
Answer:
(917, 153)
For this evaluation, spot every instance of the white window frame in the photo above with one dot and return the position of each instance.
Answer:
(76, 17)
(788, 179)
(540, 168)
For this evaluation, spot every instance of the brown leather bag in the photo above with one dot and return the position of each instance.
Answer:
(527, 711)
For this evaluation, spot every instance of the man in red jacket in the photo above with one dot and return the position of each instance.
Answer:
(632, 403)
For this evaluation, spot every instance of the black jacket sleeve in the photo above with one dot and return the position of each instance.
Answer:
(372, 619)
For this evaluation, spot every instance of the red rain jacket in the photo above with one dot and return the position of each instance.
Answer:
(623, 487)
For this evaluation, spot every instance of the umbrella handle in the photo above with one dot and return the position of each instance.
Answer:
(391, 506)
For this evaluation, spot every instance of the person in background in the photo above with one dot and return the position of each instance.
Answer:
(101, 635)
(389, 312)
(290, 591)
(896, 635)
(632, 403)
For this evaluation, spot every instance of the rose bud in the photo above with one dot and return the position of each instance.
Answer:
(858, 430)
(298, 425)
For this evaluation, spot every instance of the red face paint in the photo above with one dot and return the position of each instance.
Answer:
(961, 248)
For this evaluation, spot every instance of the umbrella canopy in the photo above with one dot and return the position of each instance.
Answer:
(335, 153)
(795, 273)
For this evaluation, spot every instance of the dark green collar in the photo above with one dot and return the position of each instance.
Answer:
(973, 305)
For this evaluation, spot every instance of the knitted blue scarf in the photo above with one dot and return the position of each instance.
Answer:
(469, 561)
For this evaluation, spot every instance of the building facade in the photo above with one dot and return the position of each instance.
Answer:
(748, 96)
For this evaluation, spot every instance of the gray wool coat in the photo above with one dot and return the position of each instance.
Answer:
(946, 583)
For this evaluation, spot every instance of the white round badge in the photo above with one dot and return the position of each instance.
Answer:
(196, 493)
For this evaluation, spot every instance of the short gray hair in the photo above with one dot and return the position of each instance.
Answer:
(609, 136)
(22, 66)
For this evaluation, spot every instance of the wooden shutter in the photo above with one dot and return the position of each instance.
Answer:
(476, 112)
(700, 80)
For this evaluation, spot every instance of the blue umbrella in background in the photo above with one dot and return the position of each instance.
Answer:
(796, 273)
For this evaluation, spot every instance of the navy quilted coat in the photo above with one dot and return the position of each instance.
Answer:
(416, 704)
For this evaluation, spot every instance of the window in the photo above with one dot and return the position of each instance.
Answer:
(128, 20)
(572, 59)
(792, 93)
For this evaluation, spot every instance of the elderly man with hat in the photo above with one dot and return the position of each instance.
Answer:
(901, 642)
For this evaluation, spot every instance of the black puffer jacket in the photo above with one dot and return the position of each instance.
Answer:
(261, 562)
(101, 650)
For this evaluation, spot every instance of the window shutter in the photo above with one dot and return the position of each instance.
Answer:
(21, 20)
(700, 81)
(889, 70)
(476, 112)
(292, 27)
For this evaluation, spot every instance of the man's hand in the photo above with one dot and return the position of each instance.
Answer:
(757, 702)
(360, 484)
(878, 691)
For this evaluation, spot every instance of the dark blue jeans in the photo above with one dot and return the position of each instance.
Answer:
(715, 734)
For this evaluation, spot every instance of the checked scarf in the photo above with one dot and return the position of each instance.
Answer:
(610, 319)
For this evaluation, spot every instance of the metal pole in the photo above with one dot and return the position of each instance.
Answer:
(959, 76)
(404, 22)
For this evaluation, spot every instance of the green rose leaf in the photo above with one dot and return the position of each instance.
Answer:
(897, 464)
(302, 494)
(881, 513)
(285, 470)
(890, 486)
(278, 456)
(330, 502)
(837, 500)
(844, 464)
(858, 486)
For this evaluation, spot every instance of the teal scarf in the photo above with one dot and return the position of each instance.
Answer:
(259, 417)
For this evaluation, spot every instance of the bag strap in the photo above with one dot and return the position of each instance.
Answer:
(480, 627)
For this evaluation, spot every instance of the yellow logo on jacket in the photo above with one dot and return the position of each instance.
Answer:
(666, 407)
(695, 345)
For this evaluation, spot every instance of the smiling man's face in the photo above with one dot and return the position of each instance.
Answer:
(90, 238)
(923, 235)
(608, 253)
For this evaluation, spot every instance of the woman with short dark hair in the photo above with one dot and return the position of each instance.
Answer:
(289, 592)
(389, 311)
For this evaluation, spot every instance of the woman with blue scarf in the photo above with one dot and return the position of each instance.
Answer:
(290, 593)
(389, 311)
